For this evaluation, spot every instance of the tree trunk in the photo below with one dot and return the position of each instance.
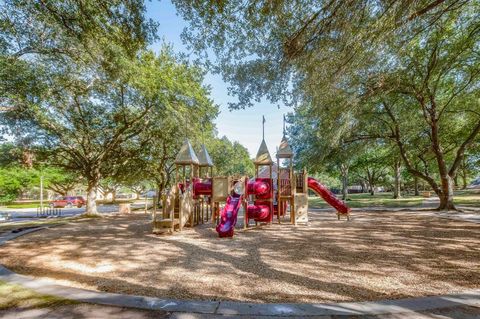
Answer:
(344, 187)
(91, 198)
(114, 195)
(160, 187)
(158, 192)
(464, 180)
(415, 183)
(371, 183)
(344, 175)
(446, 194)
(158, 196)
(396, 171)
(464, 173)
(415, 186)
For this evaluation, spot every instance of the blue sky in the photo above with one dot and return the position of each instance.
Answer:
(244, 126)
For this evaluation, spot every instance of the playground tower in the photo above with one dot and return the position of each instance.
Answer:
(205, 163)
(203, 185)
(285, 180)
(178, 205)
(261, 189)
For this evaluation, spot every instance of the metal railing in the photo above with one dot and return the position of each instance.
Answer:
(48, 211)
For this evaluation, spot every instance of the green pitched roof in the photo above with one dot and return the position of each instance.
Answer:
(186, 155)
(263, 155)
(204, 158)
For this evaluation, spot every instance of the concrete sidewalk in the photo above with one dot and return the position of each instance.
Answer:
(91, 311)
(455, 306)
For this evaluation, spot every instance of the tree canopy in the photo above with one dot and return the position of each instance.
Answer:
(77, 81)
(266, 48)
(398, 72)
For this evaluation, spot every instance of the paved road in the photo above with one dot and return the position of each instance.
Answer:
(25, 214)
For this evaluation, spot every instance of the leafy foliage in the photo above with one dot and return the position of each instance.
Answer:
(271, 48)
(15, 180)
(230, 158)
(401, 72)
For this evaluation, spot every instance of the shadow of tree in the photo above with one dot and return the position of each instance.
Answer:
(377, 255)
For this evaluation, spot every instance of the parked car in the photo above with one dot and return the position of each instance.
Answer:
(68, 201)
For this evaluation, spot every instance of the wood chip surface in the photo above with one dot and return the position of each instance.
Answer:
(377, 255)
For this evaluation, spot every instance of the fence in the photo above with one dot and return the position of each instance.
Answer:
(48, 211)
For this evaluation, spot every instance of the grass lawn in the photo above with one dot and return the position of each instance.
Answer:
(19, 302)
(467, 197)
(15, 296)
(462, 197)
(24, 205)
(367, 200)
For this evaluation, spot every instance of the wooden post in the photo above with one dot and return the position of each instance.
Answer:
(272, 194)
(292, 208)
(180, 216)
(214, 210)
(280, 200)
(190, 220)
(279, 209)
(292, 187)
(245, 207)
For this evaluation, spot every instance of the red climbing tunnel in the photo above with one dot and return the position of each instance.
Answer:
(262, 209)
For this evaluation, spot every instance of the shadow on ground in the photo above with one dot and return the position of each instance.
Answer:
(377, 255)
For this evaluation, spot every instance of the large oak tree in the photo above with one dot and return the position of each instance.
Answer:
(406, 70)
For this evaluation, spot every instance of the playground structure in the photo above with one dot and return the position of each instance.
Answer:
(260, 189)
(276, 189)
(181, 205)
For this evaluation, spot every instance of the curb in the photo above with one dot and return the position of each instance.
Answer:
(228, 308)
